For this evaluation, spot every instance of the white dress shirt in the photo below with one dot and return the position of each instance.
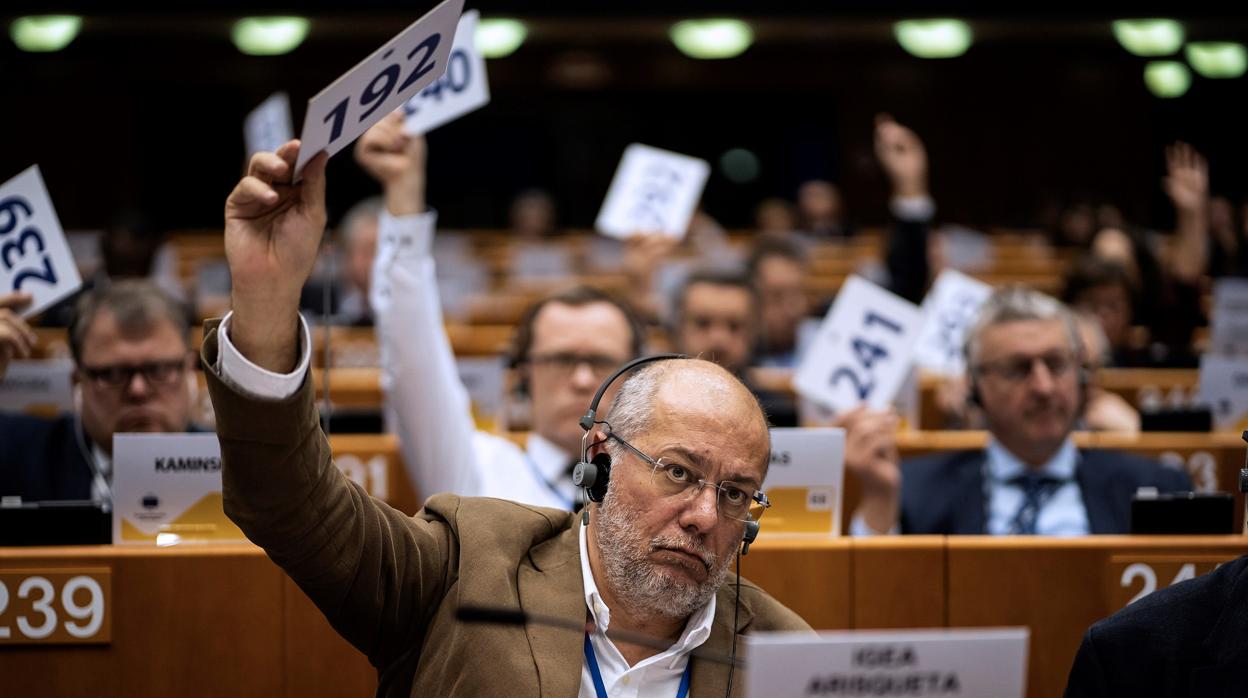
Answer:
(658, 675)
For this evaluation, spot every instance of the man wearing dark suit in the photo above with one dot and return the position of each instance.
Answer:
(688, 449)
(131, 361)
(1186, 641)
(1024, 372)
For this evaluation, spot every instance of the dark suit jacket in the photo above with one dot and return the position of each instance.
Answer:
(42, 459)
(944, 493)
(390, 583)
(1190, 639)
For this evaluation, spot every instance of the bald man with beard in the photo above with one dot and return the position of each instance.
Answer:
(688, 447)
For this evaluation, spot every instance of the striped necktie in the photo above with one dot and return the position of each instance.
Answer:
(1037, 489)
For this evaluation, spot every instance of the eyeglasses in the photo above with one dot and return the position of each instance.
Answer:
(734, 500)
(1017, 369)
(155, 373)
(566, 363)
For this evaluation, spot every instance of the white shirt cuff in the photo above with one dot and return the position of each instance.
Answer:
(254, 381)
(915, 209)
(405, 236)
(858, 527)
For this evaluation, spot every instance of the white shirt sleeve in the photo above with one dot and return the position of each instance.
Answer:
(915, 209)
(252, 380)
(858, 527)
(418, 370)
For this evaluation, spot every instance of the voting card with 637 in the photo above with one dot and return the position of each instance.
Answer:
(34, 255)
(379, 84)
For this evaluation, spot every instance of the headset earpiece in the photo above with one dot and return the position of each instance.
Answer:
(593, 476)
(752, 528)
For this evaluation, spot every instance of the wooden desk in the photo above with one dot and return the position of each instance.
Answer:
(224, 620)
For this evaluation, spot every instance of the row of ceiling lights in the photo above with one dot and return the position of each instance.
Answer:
(726, 38)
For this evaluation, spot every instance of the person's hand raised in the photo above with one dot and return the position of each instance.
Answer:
(396, 160)
(17, 340)
(1187, 178)
(273, 232)
(902, 155)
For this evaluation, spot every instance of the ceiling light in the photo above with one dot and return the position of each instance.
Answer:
(933, 38)
(1217, 59)
(712, 38)
(1167, 79)
(1149, 37)
(499, 37)
(44, 33)
(269, 36)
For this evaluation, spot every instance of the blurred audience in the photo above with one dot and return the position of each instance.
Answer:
(347, 285)
(820, 210)
(532, 214)
(775, 215)
(777, 269)
(716, 316)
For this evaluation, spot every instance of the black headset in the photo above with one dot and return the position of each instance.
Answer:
(594, 475)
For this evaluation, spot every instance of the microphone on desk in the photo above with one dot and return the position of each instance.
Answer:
(514, 616)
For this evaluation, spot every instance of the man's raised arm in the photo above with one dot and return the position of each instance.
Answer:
(419, 373)
(373, 571)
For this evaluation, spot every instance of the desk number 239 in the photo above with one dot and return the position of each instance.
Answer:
(867, 354)
(18, 246)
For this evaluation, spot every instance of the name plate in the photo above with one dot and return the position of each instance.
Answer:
(38, 387)
(483, 377)
(167, 490)
(1132, 577)
(56, 606)
(981, 663)
(804, 481)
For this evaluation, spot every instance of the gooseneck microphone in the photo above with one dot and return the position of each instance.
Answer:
(514, 616)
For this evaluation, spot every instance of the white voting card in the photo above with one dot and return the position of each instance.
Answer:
(34, 254)
(863, 351)
(653, 191)
(267, 127)
(949, 311)
(379, 84)
(463, 88)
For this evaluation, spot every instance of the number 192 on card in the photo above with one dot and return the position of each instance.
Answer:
(379, 84)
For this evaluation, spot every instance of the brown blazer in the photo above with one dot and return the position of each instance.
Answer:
(390, 584)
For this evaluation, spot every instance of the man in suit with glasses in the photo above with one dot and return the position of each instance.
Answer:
(131, 367)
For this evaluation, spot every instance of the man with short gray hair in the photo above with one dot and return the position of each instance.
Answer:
(1024, 371)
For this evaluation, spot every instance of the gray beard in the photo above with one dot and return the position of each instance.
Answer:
(646, 588)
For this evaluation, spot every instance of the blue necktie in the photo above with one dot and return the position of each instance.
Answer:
(1037, 488)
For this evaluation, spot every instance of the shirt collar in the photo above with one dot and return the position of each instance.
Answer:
(697, 628)
(1004, 466)
(550, 460)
